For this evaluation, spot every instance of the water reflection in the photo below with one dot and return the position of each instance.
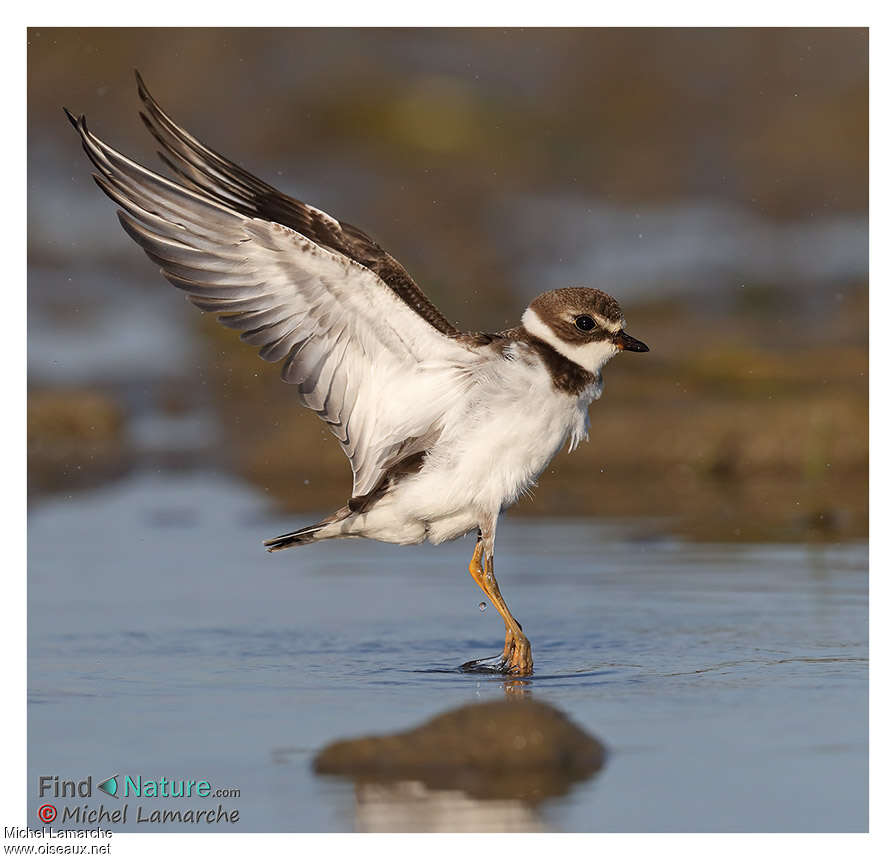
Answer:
(412, 806)
(517, 688)
(482, 767)
(775, 739)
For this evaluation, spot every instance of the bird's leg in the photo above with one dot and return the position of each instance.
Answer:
(477, 571)
(516, 658)
(508, 644)
(517, 654)
(509, 641)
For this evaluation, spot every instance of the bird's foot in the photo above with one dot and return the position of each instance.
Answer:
(508, 646)
(484, 665)
(517, 656)
(516, 660)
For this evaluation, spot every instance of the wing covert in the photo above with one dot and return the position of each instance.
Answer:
(210, 173)
(372, 367)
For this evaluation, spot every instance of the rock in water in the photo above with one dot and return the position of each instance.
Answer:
(506, 749)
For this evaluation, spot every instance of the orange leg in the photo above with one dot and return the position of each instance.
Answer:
(516, 658)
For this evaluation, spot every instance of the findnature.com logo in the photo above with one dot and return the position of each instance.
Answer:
(124, 787)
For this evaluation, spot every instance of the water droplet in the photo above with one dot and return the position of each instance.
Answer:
(482, 606)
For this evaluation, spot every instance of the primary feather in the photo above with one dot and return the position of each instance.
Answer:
(344, 335)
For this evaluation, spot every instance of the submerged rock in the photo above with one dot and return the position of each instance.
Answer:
(507, 749)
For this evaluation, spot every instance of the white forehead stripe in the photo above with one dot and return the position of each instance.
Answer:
(590, 356)
(605, 323)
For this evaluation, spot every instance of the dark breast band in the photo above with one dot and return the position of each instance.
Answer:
(567, 376)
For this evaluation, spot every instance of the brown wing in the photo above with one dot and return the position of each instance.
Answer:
(204, 170)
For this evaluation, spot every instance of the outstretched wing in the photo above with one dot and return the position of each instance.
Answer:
(373, 366)
(209, 173)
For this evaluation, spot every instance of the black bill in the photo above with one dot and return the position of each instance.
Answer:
(626, 341)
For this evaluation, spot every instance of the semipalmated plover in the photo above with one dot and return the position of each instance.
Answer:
(443, 429)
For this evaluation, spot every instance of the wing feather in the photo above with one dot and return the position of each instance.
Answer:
(362, 358)
(211, 174)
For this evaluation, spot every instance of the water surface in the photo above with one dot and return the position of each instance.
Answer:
(729, 682)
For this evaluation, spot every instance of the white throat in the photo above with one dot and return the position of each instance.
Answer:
(589, 356)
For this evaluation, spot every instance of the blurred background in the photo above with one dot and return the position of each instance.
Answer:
(714, 180)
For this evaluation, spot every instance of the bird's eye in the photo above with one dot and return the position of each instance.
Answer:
(585, 323)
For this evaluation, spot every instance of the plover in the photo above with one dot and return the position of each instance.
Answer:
(444, 429)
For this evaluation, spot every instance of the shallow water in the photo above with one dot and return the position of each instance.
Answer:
(729, 682)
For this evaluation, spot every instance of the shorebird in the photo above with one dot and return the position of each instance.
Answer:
(444, 429)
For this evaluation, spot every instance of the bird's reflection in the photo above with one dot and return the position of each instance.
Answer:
(517, 688)
(410, 806)
(483, 767)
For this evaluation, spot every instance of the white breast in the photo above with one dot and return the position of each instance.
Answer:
(495, 445)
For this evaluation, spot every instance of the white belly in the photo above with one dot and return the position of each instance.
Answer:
(492, 451)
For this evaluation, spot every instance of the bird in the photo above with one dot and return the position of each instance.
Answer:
(444, 429)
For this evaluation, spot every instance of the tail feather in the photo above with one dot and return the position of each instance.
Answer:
(305, 535)
(308, 534)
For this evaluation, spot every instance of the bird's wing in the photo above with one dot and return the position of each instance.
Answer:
(207, 172)
(374, 367)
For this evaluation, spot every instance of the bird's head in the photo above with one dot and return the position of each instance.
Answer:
(582, 324)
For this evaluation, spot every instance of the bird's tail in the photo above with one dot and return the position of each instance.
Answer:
(308, 534)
